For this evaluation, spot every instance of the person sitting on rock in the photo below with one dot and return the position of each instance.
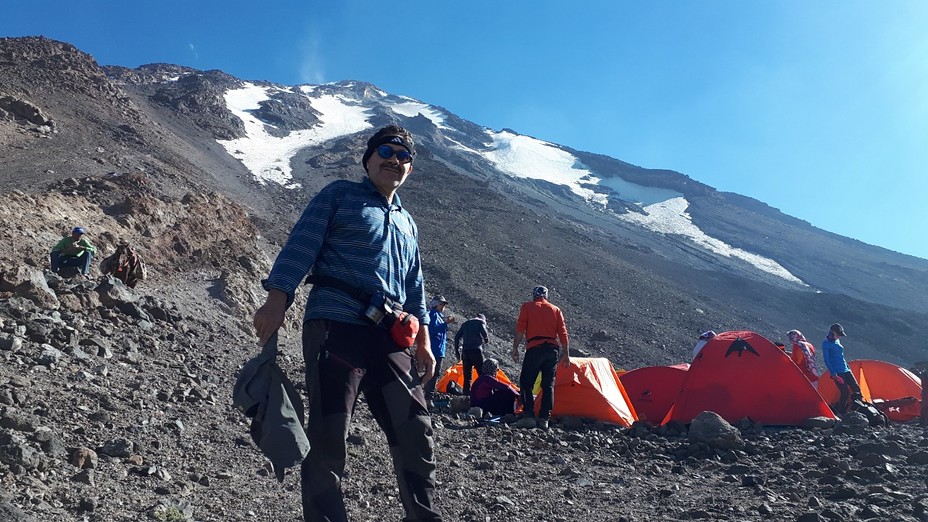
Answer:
(74, 250)
(803, 354)
(494, 396)
(125, 265)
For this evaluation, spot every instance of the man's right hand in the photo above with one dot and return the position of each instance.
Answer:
(270, 316)
(515, 355)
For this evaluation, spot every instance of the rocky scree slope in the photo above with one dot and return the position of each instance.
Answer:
(114, 402)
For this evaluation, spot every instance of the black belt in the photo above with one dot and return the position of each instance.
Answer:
(538, 338)
(338, 284)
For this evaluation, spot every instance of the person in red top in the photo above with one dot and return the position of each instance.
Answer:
(803, 354)
(542, 326)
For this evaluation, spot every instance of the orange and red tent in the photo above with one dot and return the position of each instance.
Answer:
(456, 374)
(880, 381)
(653, 389)
(742, 374)
(590, 388)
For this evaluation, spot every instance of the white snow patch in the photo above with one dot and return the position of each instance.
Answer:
(526, 157)
(268, 157)
(412, 108)
(670, 217)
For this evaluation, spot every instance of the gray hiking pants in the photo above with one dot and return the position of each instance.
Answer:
(341, 361)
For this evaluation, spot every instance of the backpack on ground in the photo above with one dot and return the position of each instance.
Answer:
(873, 414)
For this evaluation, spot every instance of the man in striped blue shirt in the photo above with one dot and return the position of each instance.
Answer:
(360, 234)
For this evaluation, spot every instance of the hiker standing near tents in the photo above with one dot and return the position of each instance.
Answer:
(438, 334)
(803, 355)
(833, 353)
(362, 247)
(473, 335)
(74, 250)
(542, 325)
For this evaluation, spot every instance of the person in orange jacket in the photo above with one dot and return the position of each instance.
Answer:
(542, 326)
(803, 354)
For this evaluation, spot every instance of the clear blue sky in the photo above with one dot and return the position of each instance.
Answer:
(817, 108)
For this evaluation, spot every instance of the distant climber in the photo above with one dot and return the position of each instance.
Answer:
(125, 265)
(468, 346)
(803, 354)
(438, 333)
(703, 339)
(74, 250)
(833, 353)
(542, 325)
(489, 393)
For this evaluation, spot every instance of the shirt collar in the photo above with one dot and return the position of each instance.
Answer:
(367, 184)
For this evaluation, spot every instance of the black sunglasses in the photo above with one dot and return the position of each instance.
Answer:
(385, 151)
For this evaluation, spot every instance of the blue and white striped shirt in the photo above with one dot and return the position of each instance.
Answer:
(350, 232)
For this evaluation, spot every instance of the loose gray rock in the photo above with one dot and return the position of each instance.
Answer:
(709, 428)
(36, 289)
(114, 294)
(120, 448)
(49, 355)
(11, 513)
(17, 420)
(821, 423)
(85, 476)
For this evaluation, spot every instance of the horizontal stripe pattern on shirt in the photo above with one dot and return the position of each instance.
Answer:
(350, 232)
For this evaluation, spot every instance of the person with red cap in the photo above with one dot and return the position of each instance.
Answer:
(360, 246)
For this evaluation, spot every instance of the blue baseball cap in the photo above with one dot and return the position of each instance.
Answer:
(78, 230)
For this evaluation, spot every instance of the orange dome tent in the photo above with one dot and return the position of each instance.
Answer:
(742, 374)
(880, 381)
(653, 389)
(590, 388)
(456, 374)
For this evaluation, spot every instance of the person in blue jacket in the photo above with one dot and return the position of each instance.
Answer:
(833, 353)
(438, 332)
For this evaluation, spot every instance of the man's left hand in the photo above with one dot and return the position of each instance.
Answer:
(425, 362)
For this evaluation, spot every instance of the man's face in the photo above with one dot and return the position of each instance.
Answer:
(76, 237)
(388, 174)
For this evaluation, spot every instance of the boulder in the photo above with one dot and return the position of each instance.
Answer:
(114, 294)
(35, 288)
(711, 429)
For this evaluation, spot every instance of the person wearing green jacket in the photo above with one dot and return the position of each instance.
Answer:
(74, 250)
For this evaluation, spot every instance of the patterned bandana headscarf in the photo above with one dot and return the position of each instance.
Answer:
(795, 337)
